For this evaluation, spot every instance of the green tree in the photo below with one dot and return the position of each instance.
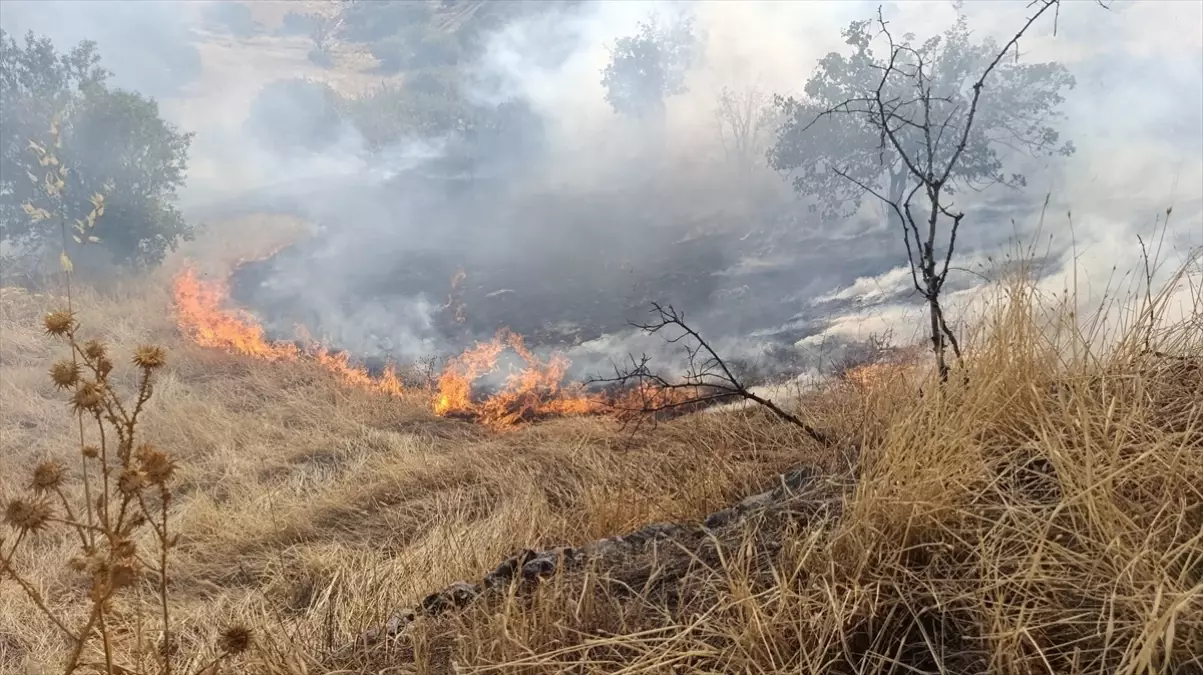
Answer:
(295, 115)
(648, 67)
(832, 143)
(57, 116)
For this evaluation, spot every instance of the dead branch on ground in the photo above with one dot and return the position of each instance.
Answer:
(707, 379)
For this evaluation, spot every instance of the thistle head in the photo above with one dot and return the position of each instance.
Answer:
(59, 323)
(88, 397)
(64, 374)
(155, 464)
(150, 357)
(28, 515)
(47, 476)
(94, 349)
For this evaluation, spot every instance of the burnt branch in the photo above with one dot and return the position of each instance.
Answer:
(707, 379)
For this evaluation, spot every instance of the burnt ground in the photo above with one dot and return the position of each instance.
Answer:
(558, 269)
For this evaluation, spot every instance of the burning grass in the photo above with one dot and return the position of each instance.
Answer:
(1043, 518)
(536, 390)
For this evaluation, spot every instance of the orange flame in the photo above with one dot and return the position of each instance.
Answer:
(200, 312)
(201, 316)
(534, 390)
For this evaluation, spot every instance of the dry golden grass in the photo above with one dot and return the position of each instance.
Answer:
(1047, 517)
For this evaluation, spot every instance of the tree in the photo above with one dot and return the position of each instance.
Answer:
(60, 122)
(746, 119)
(648, 67)
(322, 30)
(1016, 112)
(924, 120)
(295, 115)
(374, 20)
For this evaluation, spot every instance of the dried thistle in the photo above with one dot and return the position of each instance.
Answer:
(88, 397)
(156, 464)
(235, 639)
(94, 349)
(64, 374)
(28, 515)
(124, 548)
(47, 476)
(90, 451)
(131, 481)
(59, 322)
(103, 367)
(150, 357)
(122, 575)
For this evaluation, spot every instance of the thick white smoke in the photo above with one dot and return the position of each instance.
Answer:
(1136, 118)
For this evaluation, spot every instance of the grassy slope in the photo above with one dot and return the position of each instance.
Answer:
(1049, 514)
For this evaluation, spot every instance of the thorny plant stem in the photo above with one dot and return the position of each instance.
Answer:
(75, 362)
(165, 499)
(73, 660)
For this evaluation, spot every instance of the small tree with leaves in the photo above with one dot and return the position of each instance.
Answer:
(920, 121)
(648, 67)
(66, 137)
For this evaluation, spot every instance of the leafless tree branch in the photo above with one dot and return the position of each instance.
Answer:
(707, 378)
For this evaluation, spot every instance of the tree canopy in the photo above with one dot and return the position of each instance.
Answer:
(833, 128)
(56, 111)
(649, 66)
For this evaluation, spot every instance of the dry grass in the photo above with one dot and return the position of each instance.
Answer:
(1044, 518)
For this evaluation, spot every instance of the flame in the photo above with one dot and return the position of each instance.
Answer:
(535, 389)
(202, 316)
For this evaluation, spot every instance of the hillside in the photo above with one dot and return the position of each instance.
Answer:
(1043, 518)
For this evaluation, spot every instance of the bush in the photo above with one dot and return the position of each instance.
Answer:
(377, 20)
(295, 115)
(234, 18)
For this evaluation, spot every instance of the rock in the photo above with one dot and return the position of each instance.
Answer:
(530, 566)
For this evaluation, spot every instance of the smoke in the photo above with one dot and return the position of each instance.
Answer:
(568, 239)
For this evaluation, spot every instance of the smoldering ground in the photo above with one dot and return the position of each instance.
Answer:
(568, 237)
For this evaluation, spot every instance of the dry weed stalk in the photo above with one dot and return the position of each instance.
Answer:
(127, 491)
(126, 484)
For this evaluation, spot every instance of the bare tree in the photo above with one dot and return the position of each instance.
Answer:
(928, 126)
(745, 120)
(708, 379)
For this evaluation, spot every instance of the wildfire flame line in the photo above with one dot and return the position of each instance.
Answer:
(202, 315)
(534, 390)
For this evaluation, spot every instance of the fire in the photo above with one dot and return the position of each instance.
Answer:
(202, 316)
(455, 383)
(533, 390)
